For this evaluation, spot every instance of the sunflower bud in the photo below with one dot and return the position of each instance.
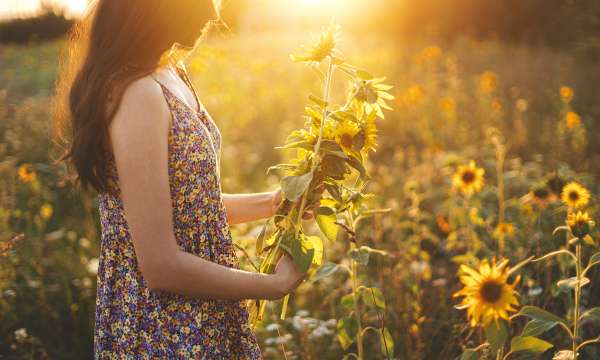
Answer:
(580, 224)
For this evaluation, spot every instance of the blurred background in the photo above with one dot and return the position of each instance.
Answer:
(473, 79)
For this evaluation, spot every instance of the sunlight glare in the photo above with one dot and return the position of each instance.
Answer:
(324, 4)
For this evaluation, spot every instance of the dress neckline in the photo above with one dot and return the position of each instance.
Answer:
(183, 76)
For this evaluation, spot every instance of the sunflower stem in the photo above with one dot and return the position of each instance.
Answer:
(577, 296)
(500, 157)
(354, 279)
(315, 163)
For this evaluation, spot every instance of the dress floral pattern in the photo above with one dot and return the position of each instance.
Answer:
(135, 323)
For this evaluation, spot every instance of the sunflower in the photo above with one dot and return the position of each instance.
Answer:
(428, 55)
(369, 129)
(487, 294)
(580, 224)
(323, 47)
(46, 211)
(413, 96)
(488, 82)
(555, 183)
(572, 120)
(27, 173)
(469, 178)
(541, 195)
(448, 106)
(504, 230)
(344, 134)
(371, 95)
(575, 196)
(566, 94)
(497, 106)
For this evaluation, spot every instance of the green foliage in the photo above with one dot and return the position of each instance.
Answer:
(529, 343)
(496, 334)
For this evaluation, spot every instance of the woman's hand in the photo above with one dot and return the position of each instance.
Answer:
(309, 210)
(286, 277)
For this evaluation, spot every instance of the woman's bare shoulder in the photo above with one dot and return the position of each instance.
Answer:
(143, 105)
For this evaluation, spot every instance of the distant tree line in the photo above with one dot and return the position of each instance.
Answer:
(556, 23)
(49, 24)
(550, 22)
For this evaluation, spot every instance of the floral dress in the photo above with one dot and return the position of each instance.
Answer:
(133, 322)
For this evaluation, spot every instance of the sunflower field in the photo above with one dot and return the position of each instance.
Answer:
(457, 184)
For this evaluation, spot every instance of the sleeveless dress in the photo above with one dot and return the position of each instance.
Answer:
(132, 322)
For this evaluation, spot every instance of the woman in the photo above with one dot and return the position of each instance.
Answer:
(168, 279)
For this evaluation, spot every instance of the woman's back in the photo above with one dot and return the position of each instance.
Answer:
(130, 318)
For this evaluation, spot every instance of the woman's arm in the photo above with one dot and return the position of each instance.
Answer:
(243, 208)
(139, 134)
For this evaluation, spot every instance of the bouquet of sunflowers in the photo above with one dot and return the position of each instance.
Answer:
(329, 169)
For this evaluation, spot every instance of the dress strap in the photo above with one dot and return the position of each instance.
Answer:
(166, 94)
(184, 76)
(163, 86)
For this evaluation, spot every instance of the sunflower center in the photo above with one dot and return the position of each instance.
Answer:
(346, 140)
(573, 195)
(491, 291)
(541, 193)
(468, 177)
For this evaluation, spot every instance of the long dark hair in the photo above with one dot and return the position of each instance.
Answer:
(118, 42)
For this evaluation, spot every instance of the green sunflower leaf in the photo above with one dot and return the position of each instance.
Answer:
(592, 314)
(537, 327)
(535, 312)
(317, 100)
(347, 302)
(373, 297)
(326, 219)
(347, 329)
(594, 260)
(358, 165)
(496, 334)
(325, 270)
(529, 343)
(294, 186)
(387, 343)
(469, 354)
(303, 253)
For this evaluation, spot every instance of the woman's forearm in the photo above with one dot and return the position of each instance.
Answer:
(243, 208)
(189, 275)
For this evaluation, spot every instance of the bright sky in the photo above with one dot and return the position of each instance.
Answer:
(10, 8)
(26, 7)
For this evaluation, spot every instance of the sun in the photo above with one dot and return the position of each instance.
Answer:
(323, 4)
